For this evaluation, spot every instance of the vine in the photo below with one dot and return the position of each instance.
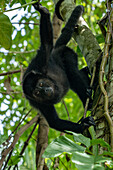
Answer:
(22, 6)
(101, 75)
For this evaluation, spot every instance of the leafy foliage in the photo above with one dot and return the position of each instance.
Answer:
(13, 106)
(81, 159)
(60, 145)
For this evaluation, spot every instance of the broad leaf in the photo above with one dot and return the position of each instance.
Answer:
(60, 145)
(82, 139)
(105, 153)
(5, 31)
(101, 142)
(89, 162)
(14, 160)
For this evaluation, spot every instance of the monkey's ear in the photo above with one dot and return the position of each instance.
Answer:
(31, 77)
(57, 9)
(30, 74)
(29, 80)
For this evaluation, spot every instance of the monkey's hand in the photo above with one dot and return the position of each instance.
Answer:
(40, 8)
(87, 122)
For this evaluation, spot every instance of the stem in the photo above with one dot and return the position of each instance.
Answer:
(101, 74)
(93, 136)
(25, 23)
(22, 6)
(91, 84)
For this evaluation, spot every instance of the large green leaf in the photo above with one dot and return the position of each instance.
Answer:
(82, 139)
(89, 162)
(60, 145)
(101, 142)
(14, 160)
(5, 31)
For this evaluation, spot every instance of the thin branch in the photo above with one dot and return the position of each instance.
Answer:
(25, 23)
(29, 137)
(7, 160)
(16, 138)
(27, 141)
(91, 84)
(22, 6)
(10, 72)
(21, 121)
(19, 52)
(6, 93)
(66, 109)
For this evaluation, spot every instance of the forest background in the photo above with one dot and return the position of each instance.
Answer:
(19, 44)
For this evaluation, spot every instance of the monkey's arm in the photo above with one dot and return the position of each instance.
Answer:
(46, 32)
(69, 27)
(55, 122)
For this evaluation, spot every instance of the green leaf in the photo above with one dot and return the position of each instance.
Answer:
(89, 162)
(101, 159)
(14, 160)
(105, 153)
(82, 139)
(25, 63)
(2, 138)
(60, 145)
(101, 142)
(28, 1)
(5, 31)
(22, 2)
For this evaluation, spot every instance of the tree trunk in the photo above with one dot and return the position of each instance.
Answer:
(103, 99)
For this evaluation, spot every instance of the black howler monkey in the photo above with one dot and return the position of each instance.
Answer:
(53, 71)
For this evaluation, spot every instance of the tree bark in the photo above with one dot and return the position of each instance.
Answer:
(91, 51)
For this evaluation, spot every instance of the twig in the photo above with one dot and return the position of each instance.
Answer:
(22, 6)
(18, 52)
(12, 92)
(27, 141)
(91, 84)
(66, 109)
(16, 138)
(7, 160)
(11, 72)
(25, 23)
(21, 121)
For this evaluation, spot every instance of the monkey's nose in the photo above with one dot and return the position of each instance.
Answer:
(48, 91)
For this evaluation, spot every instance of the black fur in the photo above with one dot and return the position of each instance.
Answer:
(53, 71)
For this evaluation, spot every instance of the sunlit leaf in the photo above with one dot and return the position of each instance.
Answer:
(89, 162)
(14, 160)
(5, 31)
(101, 142)
(82, 139)
(60, 145)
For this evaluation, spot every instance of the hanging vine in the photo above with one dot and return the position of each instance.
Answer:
(102, 72)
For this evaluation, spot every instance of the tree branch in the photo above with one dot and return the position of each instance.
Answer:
(16, 138)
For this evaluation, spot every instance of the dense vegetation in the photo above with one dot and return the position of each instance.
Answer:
(19, 40)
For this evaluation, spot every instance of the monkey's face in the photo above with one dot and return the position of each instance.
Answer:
(44, 90)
